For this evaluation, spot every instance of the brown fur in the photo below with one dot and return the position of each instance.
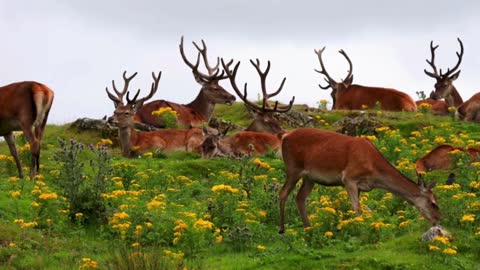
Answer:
(439, 107)
(439, 158)
(333, 159)
(470, 109)
(244, 142)
(25, 106)
(355, 96)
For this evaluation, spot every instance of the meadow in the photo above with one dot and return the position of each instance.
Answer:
(92, 208)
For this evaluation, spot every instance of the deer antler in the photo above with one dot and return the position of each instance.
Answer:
(331, 82)
(449, 72)
(263, 75)
(154, 87)
(213, 72)
(118, 99)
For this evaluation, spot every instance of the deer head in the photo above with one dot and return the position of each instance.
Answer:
(124, 113)
(211, 88)
(426, 203)
(337, 88)
(264, 114)
(444, 85)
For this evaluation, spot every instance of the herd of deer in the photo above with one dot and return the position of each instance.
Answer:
(313, 155)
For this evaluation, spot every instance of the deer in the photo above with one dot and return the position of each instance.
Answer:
(200, 110)
(242, 143)
(131, 140)
(24, 106)
(439, 158)
(439, 107)
(333, 159)
(348, 96)
(264, 115)
(444, 87)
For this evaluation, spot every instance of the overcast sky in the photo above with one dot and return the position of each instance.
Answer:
(78, 47)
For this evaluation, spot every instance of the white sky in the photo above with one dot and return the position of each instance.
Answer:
(78, 47)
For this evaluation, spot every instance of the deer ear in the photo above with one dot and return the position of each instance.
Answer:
(455, 76)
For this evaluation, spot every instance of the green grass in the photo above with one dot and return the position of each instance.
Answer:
(184, 182)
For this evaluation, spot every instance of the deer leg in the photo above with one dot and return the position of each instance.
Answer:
(13, 151)
(291, 180)
(301, 198)
(34, 150)
(353, 193)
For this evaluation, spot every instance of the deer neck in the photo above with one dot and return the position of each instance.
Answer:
(454, 99)
(128, 137)
(398, 184)
(202, 105)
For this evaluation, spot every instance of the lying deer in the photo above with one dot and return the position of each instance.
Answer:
(439, 107)
(333, 159)
(200, 110)
(241, 143)
(444, 88)
(440, 158)
(131, 140)
(348, 96)
(264, 119)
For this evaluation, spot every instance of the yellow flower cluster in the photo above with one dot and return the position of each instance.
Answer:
(328, 234)
(177, 256)
(7, 158)
(88, 264)
(468, 218)
(179, 228)
(448, 187)
(220, 188)
(377, 225)
(424, 106)
(48, 196)
(203, 225)
(439, 140)
(164, 110)
(261, 164)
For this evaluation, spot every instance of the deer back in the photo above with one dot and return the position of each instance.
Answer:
(357, 96)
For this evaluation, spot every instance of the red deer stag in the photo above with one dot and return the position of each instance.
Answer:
(439, 158)
(264, 120)
(200, 110)
(348, 96)
(131, 140)
(333, 159)
(444, 87)
(25, 106)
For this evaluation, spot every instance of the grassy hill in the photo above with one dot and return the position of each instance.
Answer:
(92, 208)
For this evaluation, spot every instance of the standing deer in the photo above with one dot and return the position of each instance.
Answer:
(333, 159)
(264, 120)
(444, 87)
(439, 158)
(348, 96)
(25, 106)
(200, 110)
(131, 140)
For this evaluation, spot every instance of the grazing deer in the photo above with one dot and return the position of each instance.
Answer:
(333, 159)
(241, 143)
(439, 158)
(25, 106)
(444, 87)
(131, 140)
(264, 120)
(200, 110)
(348, 96)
